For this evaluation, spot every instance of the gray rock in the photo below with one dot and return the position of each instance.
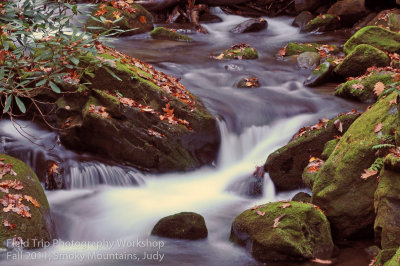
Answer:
(308, 60)
(302, 19)
(320, 75)
(251, 25)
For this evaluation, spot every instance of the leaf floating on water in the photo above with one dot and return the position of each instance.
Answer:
(368, 173)
(320, 261)
(278, 220)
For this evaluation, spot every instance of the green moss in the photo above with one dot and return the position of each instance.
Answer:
(366, 94)
(394, 261)
(137, 22)
(329, 147)
(376, 36)
(38, 226)
(302, 233)
(167, 34)
(298, 48)
(326, 22)
(244, 53)
(362, 57)
(338, 182)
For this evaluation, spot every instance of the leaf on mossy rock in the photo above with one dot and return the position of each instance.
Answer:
(320, 261)
(260, 213)
(285, 205)
(32, 200)
(278, 220)
(379, 88)
(6, 223)
(368, 173)
(378, 127)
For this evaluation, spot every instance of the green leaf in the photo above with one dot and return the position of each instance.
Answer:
(54, 87)
(112, 74)
(20, 104)
(8, 103)
(40, 83)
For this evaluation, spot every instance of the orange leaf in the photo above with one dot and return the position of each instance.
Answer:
(285, 205)
(143, 19)
(378, 127)
(368, 173)
(278, 220)
(53, 168)
(100, 12)
(32, 200)
(379, 88)
(316, 260)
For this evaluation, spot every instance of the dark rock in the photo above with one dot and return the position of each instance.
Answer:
(389, 19)
(249, 82)
(184, 225)
(162, 33)
(322, 23)
(209, 18)
(251, 25)
(320, 75)
(302, 19)
(302, 197)
(308, 5)
(350, 11)
(308, 60)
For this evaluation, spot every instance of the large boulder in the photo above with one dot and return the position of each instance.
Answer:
(285, 166)
(348, 10)
(339, 190)
(283, 231)
(25, 213)
(308, 5)
(360, 59)
(250, 25)
(302, 19)
(144, 118)
(184, 225)
(378, 37)
(362, 89)
(389, 19)
(322, 23)
(387, 207)
(135, 19)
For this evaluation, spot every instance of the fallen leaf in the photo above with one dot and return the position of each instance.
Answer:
(358, 86)
(285, 205)
(32, 200)
(260, 213)
(378, 127)
(320, 261)
(368, 173)
(393, 102)
(379, 88)
(53, 168)
(278, 220)
(339, 126)
(6, 223)
(254, 207)
(143, 19)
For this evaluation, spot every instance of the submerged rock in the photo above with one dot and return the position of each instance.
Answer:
(28, 212)
(251, 25)
(308, 60)
(283, 231)
(135, 19)
(378, 37)
(184, 225)
(162, 33)
(339, 190)
(360, 59)
(249, 82)
(320, 75)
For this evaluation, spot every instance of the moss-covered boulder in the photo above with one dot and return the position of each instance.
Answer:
(329, 147)
(323, 23)
(135, 19)
(320, 74)
(285, 166)
(384, 256)
(378, 37)
(348, 10)
(238, 51)
(395, 260)
(144, 118)
(309, 60)
(162, 33)
(302, 197)
(387, 208)
(388, 19)
(338, 189)
(360, 59)
(184, 225)
(25, 212)
(362, 89)
(295, 48)
(283, 231)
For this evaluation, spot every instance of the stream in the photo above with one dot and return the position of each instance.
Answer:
(110, 208)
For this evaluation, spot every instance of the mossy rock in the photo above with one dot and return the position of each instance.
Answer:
(395, 260)
(387, 208)
(295, 48)
(388, 19)
(285, 166)
(322, 23)
(384, 256)
(392, 162)
(241, 51)
(321, 74)
(302, 19)
(130, 134)
(162, 33)
(40, 225)
(378, 37)
(308, 178)
(329, 148)
(338, 189)
(301, 234)
(184, 225)
(302, 197)
(360, 59)
(139, 21)
(365, 91)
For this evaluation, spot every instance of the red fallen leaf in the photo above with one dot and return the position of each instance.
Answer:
(314, 165)
(143, 19)
(100, 12)
(278, 220)
(379, 88)
(6, 223)
(154, 133)
(368, 173)
(17, 185)
(53, 168)
(378, 127)
(32, 200)
(285, 205)
(282, 52)
(168, 110)
(320, 261)
(339, 126)
(260, 213)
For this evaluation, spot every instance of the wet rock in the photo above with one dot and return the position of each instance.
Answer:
(184, 225)
(308, 60)
(137, 22)
(378, 37)
(209, 18)
(323, 23)
(308, 5)
(302, 197)
(362, 89)
(389, 19)
(249, 82)
(238, 51)
(349, 10)
(339, 181)
(295, 48)
(162, 33)
(271, 232)
(360, 59)
(320, 75)
(387, 205)
(234, 67)
(302, 19)
(251, 25)
(39, 226)
(285, 166)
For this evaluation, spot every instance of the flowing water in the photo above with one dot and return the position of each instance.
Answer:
(110, 208)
